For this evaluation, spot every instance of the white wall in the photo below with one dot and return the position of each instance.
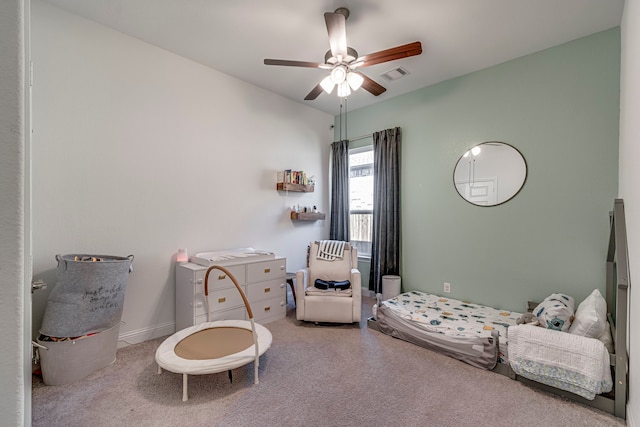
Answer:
(139, 151)
(14, 404)
(629, 179)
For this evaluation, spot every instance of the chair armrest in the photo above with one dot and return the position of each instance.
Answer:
(356, 282)
(302, 280)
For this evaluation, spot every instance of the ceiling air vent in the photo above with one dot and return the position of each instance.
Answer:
(395, 74)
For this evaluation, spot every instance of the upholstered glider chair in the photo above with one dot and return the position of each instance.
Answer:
(329, 300)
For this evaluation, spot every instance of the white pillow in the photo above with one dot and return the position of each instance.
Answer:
(555, 312)
(591, 316)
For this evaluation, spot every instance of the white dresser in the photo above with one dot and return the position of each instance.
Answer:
(262, 280)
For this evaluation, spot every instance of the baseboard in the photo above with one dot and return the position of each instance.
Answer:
(146, 334)
(630, 420)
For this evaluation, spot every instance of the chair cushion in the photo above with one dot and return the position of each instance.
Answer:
(312, 291)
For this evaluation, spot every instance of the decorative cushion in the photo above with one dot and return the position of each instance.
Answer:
(330, 284)
(555, 312)
(591, 316)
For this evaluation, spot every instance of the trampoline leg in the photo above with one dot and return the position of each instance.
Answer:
(230, 376)
(159, 369)
(255, 373)
(185, 395)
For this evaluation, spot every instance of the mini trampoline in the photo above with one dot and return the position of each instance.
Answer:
(213, 347)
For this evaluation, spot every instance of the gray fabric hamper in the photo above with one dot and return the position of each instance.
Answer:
(88, 297)
(83, 316)
(65, 362)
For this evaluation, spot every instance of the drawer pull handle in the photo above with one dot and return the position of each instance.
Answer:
(221, 300)
(267, 308)
(199, 281)
(222, 277)
(267, 270)
(267, 290)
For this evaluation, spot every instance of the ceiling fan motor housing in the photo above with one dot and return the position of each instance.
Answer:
(343, 11)
(352, 55)
(342, 60)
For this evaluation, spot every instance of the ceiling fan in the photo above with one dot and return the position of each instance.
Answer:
(343, 61)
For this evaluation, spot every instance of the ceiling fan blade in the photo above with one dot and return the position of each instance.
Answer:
(337, 29)
(371, 86)
(293, 63)
(392, 54)
(314, 93)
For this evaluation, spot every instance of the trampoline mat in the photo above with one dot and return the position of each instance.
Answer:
(214, 343)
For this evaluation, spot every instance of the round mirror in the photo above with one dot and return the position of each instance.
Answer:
(490, 173)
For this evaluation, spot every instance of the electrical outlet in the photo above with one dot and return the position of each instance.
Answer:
(447, 287)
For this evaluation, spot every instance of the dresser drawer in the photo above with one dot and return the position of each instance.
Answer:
(275, 288)
(266, 270)
(269, 309)
(222, 299)
(239, 313)
(219, 279)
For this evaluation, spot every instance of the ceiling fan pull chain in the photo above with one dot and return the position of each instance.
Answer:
(346, 133)
(340, 121)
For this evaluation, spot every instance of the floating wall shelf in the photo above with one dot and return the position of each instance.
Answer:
(307, 216)
(285, 186)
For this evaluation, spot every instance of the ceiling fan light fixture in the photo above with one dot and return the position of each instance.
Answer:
(341, 60)
(327, 84)
(339, 74)
(343, 89)
(355, 80)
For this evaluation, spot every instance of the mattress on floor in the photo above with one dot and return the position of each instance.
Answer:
(463, 330)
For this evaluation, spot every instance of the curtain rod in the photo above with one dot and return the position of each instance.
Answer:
(360, 137)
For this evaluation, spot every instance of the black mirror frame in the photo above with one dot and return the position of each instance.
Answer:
(526, 174)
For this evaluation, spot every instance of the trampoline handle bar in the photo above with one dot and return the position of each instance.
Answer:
(249, 311)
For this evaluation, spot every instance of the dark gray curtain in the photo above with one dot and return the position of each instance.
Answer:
(339, 214)
(385, 245)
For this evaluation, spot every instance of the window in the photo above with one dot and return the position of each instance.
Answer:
(361, 198)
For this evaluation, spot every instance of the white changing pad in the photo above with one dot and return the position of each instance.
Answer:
(208, 259)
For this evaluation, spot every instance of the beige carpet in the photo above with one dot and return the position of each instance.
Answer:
(346, 375)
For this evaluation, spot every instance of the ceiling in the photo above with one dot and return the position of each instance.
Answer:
(458, 36)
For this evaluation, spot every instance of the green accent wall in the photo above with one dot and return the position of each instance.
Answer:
(560, 108)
